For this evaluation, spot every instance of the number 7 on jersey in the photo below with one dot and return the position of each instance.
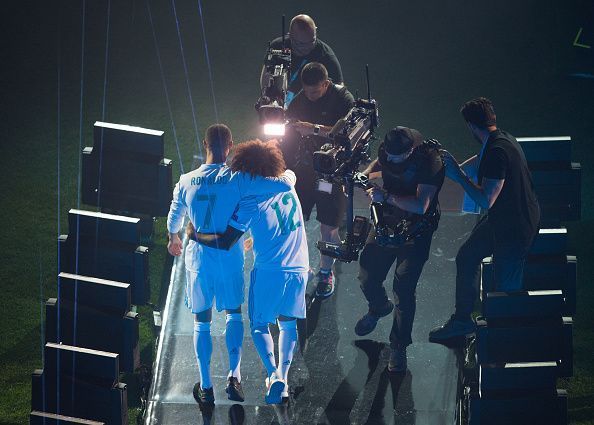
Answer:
(210, 204)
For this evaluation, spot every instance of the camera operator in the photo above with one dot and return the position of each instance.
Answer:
(305, 48)
(412, 174)
(313, 112)
(506, 232)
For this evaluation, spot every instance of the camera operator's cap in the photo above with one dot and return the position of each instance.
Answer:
(398, 140)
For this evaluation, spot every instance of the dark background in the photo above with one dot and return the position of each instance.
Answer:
(426, 58)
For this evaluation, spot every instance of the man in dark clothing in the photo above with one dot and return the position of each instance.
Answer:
(306, 48)
(506, 232)
(412, 177)
(313, 113)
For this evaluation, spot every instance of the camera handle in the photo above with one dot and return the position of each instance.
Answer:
(349, 189)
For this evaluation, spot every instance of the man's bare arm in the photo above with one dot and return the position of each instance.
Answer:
(309, 129)
(219, 240)
(417, 204)
(470, 166)
(372, 168)
(484, 195)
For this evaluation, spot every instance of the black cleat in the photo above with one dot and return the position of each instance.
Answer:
(204, 397)
(234, 390)
(325, 286)
(367, 323)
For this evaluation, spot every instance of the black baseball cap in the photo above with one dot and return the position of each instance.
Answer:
(398, 140)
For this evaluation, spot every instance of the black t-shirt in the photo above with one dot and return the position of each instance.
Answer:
(321, 53)
(424, 166)
(327, 110)
(515, 215)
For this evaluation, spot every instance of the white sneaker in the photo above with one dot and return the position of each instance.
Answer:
(274, 389)
(285, 393)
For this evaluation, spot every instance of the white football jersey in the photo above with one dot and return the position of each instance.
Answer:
(209, 195)
(278, 230)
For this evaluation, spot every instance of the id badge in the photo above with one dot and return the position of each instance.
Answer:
(324, 186)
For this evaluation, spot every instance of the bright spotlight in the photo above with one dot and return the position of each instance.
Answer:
(274, 129)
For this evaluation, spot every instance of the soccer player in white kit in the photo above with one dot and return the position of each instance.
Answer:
(281, 262)
(209, 195)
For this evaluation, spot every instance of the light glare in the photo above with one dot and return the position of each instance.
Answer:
(271, 129)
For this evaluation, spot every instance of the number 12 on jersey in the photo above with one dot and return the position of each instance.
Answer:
(286, 223)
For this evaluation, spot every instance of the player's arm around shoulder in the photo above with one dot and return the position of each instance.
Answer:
(245, 212)
(258, 185)
(222, 241)
(289, 177)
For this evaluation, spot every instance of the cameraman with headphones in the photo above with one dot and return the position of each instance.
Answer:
(412, 173)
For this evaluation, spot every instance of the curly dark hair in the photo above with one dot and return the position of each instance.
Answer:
(480, 112)
(259, 158)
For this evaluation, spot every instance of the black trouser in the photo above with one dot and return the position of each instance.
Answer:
(374, 266)
(508, 264)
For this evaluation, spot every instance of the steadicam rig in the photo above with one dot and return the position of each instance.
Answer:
(396, 235)
(339, 161)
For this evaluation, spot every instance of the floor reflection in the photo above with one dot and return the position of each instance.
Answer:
(342, 402)
(402, 403)
(335, 378)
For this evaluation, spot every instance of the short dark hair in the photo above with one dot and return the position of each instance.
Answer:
(313, 74)
(218, 138)
(258, 158)
(479, 112)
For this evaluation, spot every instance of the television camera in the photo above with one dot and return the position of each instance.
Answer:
(339, 163)
(271, 104)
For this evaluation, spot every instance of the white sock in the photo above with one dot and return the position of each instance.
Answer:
(234, 339)
(203, 350)
(286, 345)
(265, 346)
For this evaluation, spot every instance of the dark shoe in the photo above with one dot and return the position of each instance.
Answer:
(234, 390)
(325, 286)
(453, 328)
(367, 323)
(397, 362)
(203, 396)
(274, 389)
(285, 394)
